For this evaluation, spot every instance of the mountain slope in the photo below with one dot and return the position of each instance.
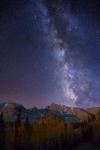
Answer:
(67, 114)
(94, 110)
(83, 114)
(11, 110)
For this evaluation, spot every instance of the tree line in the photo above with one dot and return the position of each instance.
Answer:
(47, 133)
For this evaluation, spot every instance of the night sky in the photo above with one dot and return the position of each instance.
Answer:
(50, 52)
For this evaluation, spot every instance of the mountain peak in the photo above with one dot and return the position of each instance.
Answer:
(10, 111)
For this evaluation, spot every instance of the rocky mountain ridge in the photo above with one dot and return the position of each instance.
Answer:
(62, 112)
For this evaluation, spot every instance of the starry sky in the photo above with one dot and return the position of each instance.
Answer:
(49, 52)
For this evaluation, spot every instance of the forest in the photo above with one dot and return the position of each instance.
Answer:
(49, 133)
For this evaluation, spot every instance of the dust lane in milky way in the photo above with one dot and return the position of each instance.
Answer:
(49, 52)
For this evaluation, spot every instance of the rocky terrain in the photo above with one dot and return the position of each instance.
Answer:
(67, 114)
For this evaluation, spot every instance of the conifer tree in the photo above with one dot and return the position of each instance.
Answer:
(2, 132)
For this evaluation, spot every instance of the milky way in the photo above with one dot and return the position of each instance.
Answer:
(49, 52)
(73, 77)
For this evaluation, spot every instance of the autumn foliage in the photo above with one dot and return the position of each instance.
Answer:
(48, 133)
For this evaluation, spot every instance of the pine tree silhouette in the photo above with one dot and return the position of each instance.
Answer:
(2, 132)
(17, 131)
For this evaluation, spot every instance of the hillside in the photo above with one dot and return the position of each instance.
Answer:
(62, 112)
(83, 114)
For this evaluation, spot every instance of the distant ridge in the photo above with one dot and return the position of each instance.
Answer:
(62, 112)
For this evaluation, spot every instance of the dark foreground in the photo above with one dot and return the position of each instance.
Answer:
(49, 133)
